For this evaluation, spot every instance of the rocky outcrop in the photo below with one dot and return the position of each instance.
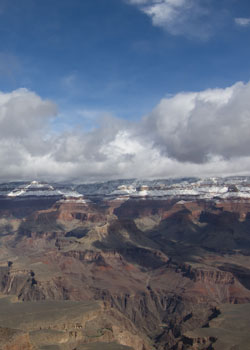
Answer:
(195, 343)
(207, 276)
(93, 256)
(15, 281)
(11, 339)
(56, 324)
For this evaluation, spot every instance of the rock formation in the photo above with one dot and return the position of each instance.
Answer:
(152, 268)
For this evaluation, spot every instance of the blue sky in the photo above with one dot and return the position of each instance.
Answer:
(106, 55)
(103, 59)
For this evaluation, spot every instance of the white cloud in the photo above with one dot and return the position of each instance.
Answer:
(163, 12)
(166, 12)
(188, 134)
(23, 114)
(191, 18)
(242, 21)
(198, 126)
(24, 123)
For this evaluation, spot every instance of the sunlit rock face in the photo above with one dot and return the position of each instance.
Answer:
(150, 260)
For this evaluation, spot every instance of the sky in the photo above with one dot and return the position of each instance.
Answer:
(103, 89)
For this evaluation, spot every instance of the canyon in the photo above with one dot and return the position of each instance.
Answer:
(126, 264)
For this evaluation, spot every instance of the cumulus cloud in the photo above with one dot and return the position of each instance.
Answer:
(24, 128)
(197, 126)
(242, 21)
(188, 134)
(23, 113)
(192, 18)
